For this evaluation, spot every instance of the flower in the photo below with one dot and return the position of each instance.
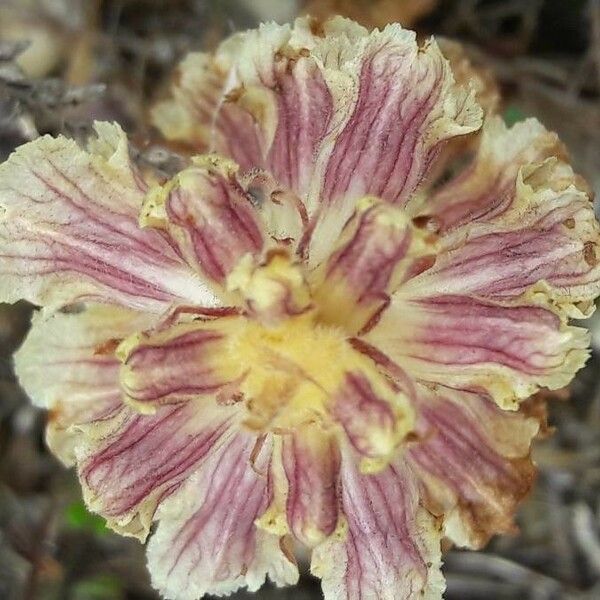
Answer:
(321, 331)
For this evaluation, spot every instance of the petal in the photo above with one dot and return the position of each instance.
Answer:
(548, 238)
(127, 463)
(282, 212)
(209, 216)
(488, 186)
(311, 461)
(335, 113)
(378, 249)
(206, 541)
(133, 462)
(69, 231)
(197, 90)
(262, 100)
(274, 290)
(67, 365)
(182, 362)
(374, 417)
(507, 350)
(473, 460)
(201, 114)
(403, 105)
(390, 549)
(467, 73)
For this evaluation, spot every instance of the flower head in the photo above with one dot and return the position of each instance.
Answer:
(307, 335)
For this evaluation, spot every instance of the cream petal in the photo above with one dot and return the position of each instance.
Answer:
(207, 541)
(311, 461)
(67, 365)
(182, 362)
(389, 548)
(473, 460)
(379, 248)
(507, 350)
(472, 74)
(131, 463)
(282, 212)
(69, 231)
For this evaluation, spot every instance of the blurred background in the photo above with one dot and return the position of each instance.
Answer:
(64, 63)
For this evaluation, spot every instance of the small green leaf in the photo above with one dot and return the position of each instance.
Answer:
(100, 587)
(78, 517)
(513, 114)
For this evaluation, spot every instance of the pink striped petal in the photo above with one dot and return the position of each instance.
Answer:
(379, 248)
(180, 363)
(374, 417)
(127, 462)
(311, 461)
(67, 365)
(133, 462)
(209, 215)
(390, 547)
(507, 350)
(203, 114)
(473, 460)
(207, 541)
(487, 187)
(69, 230)
(559, 260)
(334, 114)
(531, 228)
(404, 105)
(262, 99)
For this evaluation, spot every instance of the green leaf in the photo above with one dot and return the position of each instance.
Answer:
(513, 114)
(99, 587)
(78, 517)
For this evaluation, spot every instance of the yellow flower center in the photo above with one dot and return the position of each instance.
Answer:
(293, 364)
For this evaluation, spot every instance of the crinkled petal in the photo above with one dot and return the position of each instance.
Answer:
(127, 462)
(203, 115)
(390, 546)
(262, 100)
(67, 365)
(545, 240)
(379, 248)
(207, 541)
(133, 462)
(311, 460)
(209, 215)
(403, 104)
(182, 362)
(470, 74)
(473, 461)
(487, 188)
(335, 113)
(374, 417)
(69, 229)
(507, 350)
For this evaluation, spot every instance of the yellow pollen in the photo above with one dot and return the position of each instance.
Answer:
(295, 369)
(292, 370)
